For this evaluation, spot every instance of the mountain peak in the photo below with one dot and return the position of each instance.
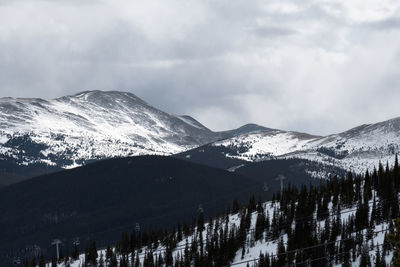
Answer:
(249, 128)
(105, 98)
(99, 94)
(103, 93)
(253, 127)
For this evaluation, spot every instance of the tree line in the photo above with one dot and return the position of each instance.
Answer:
(309, 217)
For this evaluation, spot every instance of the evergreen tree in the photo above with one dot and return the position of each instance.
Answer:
(365, 260)
(235, 206)
(91, 254)
(396, 174)
(260, 225)
(113, 261)
(378, 261)
(281, 253)
(60, 259)
(26, 263)
(101, 260)
(395, 242)
(137, 263)
(200, 222)
(75, 253)
(252, 204)
(42, 262)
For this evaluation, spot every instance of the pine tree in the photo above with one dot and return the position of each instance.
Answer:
(252, 204)
(378, 261)
(109, 254)
(281, 253)
(66, 260)
(91, 254)
(113, 261)
(26, 263)
(260, 225)
(395, 242)
(132, 258)
(365, 260)
(383, 259)
(200, 222)
(235, 206)
(137, 263)
(33, 262)
(75, 253)
(396, 174)
(179, 235)
(42, 262)
(101, 260)
(61, 256)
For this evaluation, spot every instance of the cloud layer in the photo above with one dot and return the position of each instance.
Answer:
(319, 66)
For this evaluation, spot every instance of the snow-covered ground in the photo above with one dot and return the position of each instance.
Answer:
(253, 248)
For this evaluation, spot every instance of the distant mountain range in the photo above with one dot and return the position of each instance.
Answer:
(356, 150)
(40, 136)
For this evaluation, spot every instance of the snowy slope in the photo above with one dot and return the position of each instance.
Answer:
(356, 149)
(73, 129)
(264, 245)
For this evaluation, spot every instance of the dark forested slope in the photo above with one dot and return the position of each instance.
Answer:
(100, 200)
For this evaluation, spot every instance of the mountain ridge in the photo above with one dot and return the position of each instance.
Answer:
(73, 130)
(357, 149)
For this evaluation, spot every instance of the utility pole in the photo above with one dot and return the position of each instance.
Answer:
(281, 178)
(57, 243)
(200, 210)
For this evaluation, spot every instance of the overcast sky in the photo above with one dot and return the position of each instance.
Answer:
(319, 66)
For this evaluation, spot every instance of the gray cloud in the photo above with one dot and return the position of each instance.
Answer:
(319, 67)
(392, 23)
(273, 31)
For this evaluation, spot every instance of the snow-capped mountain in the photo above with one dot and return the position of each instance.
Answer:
(356, 149)
(92, 125)
(71, 130)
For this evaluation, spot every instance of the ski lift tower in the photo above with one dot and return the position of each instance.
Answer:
(281, 178)
(200, 210)
(76, 241)
(57, 242)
